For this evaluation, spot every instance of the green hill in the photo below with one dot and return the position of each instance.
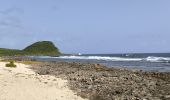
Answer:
(10, 52)
(46, 48)
(41, 48)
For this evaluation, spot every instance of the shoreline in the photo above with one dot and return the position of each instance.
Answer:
(148, 66)
(98, 82)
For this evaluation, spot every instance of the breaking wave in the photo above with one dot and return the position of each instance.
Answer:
(158, 59)
(101, 58)
(105, 58)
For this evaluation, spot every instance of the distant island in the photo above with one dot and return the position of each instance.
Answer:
(41, 48)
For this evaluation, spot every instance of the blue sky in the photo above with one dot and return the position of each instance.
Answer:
(87, 26)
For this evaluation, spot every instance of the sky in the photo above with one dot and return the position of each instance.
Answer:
(87, 26)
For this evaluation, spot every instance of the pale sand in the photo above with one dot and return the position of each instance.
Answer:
(22, 83)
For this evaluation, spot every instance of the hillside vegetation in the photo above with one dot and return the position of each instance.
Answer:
(10, 52)
(41, 48)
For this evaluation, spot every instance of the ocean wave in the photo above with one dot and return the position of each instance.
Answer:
(100, 58)
(157, 59)
(106, 58)
(148, 59)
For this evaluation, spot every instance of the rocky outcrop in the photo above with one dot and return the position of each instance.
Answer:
(97, 82)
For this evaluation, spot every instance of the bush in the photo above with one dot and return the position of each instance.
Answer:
(11, 64)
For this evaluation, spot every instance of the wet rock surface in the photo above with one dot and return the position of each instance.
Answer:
(97, 82)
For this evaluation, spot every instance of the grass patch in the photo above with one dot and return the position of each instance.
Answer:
(11, 64)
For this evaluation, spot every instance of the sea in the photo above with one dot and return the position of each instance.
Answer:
(159, 62)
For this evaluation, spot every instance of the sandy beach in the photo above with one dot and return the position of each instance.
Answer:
(98, 82)
(22, 83)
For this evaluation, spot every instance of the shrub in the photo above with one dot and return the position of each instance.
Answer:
(11, 64)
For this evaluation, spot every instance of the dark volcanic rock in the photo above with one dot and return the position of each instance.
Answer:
(98, 82)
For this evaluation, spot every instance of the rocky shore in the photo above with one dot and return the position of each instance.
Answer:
(97, 82)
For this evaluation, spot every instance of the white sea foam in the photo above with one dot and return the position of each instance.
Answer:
(157, 59)
(149, 59)
(100, 58)
(106, 58)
